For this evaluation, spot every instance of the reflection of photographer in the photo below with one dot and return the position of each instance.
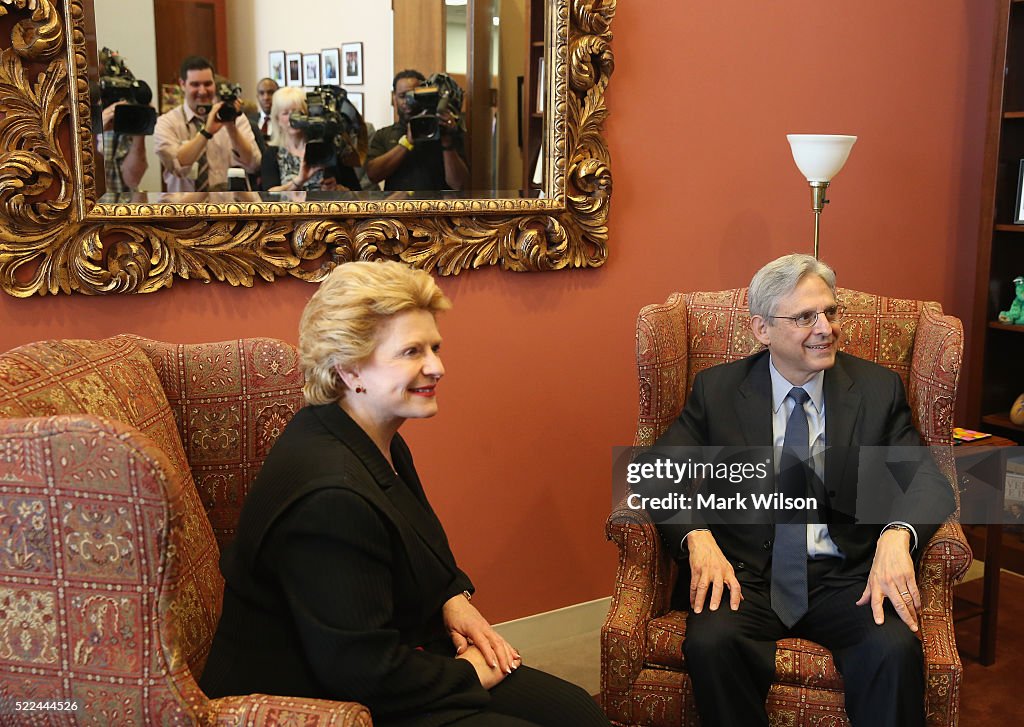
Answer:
(119, 88)
(435, 108)
(331, 126)
(121, 117)
(312, 142)
(423, 150)
(200, 139)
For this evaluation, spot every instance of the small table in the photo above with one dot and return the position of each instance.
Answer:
(965, 454)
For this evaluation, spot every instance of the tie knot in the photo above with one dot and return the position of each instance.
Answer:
(799, 395)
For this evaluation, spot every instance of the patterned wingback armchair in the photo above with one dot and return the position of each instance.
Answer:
(123, 466)
(643, 672)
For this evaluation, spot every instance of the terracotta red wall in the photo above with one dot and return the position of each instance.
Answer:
(540, 379)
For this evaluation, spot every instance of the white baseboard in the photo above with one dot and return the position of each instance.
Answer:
(565, 642)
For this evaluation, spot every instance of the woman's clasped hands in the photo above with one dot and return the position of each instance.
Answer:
(477, 642)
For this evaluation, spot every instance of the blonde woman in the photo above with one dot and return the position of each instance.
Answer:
(284, 164)
(340, 583)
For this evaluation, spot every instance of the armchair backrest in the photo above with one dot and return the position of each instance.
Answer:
(112, 382)
(97, 589)
(115, 456)
(231, 400)
(690, 332)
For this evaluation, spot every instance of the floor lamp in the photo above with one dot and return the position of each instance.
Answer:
(819, 157)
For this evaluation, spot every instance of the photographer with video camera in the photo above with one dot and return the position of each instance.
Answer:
(291, 162)
(200, 139)
(423, 150)
(122, 113)
(124, 155)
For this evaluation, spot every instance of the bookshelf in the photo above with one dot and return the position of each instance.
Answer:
(997, 349)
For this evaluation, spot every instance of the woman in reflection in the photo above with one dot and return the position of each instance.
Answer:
(284, 165)
(340, 583)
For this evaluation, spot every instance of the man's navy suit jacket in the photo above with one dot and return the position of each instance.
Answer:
(865, 405)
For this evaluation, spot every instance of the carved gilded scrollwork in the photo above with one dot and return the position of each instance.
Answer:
(56, 238)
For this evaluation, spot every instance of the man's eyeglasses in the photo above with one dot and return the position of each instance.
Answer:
(833, 314)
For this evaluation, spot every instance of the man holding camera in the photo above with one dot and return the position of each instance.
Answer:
(200, 139)
(407, 164)
(124, 155)
(122, 118)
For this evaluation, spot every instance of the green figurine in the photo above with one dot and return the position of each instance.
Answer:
(1015, 316)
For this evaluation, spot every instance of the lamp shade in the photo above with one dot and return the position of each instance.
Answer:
(820, 156)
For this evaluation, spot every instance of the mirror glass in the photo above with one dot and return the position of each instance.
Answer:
(361, 35)
(62, 241)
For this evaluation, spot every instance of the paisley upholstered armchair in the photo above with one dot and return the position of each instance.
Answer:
(123, 466)
(643, 672)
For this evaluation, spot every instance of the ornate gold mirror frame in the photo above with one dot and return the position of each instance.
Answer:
(56, 238)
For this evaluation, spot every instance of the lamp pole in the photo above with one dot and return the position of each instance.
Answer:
(818, 190)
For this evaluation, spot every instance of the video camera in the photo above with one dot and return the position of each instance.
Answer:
(331, 126)
(439, 94)
(228, 92)
(116, 83)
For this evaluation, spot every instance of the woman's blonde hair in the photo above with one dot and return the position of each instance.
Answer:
(340, 323)
(284, 99)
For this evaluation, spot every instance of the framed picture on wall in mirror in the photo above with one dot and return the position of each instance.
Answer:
(330, 64)
(1018, 210)
(356, 99)
(171, 95)
(310, 69)
(294, 69)
(352, 56)
(276, 69)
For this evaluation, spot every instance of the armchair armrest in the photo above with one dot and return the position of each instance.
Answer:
(264, 710)
(944, 562)
(644, 580)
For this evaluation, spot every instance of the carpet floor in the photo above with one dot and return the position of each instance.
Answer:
(990, 695)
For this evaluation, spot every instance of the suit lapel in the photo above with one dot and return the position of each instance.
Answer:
(842, 407)
(753, 404)
(403, 504)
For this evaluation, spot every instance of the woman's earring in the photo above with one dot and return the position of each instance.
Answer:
(360, 390)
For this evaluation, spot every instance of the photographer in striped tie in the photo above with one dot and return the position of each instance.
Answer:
(198, 141)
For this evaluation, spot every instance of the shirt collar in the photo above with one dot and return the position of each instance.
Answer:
(189, 113)
(815, 388)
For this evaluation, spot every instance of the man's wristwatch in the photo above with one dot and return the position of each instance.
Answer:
(468, 595)
(900, 526)
(204, 132)
(404, 141)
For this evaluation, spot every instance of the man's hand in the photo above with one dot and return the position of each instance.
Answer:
(108, 115)
(449, 129)
(892, 577)
(214, 124)
(489, 676)
(467, 627)
(709, 567)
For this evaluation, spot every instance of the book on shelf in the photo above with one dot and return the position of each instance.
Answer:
(968, 435)
(1013, 494)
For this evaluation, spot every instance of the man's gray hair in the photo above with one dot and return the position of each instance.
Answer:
(780, 277)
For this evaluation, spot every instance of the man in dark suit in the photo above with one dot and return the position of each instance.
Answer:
(260, 121)
(832, 578)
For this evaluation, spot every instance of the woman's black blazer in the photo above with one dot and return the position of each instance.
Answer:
(335, 582)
